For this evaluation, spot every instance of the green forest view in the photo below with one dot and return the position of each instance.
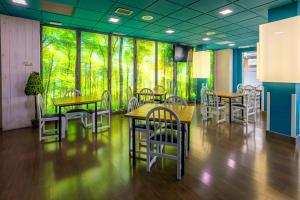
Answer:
(92, 76)
(59, 58)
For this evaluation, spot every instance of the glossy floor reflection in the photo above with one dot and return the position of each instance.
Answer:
(225, 162)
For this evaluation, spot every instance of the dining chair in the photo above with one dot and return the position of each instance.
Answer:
(44, 118)
(243, 112)
(259, 91)
(161, 137)
(104, 111)
(140, 127)
(76, 112)
(204, 104)
(159, 88)
(176, 100)
(214, 108)
(146, 96)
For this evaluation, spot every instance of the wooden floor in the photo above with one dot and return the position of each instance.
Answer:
(226, 162)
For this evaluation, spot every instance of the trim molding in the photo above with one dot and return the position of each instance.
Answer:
(293, 116)
(268, 110)
(282, 138)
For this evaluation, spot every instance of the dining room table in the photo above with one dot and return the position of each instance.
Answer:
(74, 101)
(185, 114)
(230, 96)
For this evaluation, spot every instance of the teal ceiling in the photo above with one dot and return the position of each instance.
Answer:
(191, 19)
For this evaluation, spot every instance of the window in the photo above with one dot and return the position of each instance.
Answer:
(249, 68)
(58, 63)
(145, 64)
(94, 64)
(121, 71)
(165, 66)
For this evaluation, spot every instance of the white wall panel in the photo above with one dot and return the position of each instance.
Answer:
(223, 70)
(20, 42)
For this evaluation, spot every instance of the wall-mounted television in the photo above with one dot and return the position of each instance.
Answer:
(181, 53)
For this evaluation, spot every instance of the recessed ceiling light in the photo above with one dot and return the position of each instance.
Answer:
(226, 12)
(211, 33)
(246, 46)
(231, 45)
(147, 17)
(21, 2)
(113, 20)
(206, 39)
(170, 31)
(224, 42)
(56, 23)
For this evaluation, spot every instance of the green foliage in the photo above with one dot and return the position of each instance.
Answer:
(145, 64)
(210, 80)
(58, 63)
(165, 66)
(34, 84)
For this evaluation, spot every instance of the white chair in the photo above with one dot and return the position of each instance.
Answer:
(214, 108)
(161, 136)
(76, 112)
(140, 127)
(243, 112)
(44, 118)
(176, 100)
(259, 92)
(203, 96)
(103, 111)
(146, 96)
(159, 88)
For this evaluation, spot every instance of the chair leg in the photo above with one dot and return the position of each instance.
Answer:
(148, 155)
(129, 142)
(179, 162)
(40, 130)
(63, 127)
(93, 123)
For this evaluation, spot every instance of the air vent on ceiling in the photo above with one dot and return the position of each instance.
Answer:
(123, 11)
(56, 8)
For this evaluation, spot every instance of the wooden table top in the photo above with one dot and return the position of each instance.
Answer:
(230, 94)
(155, 93)
(184, 113)
(70, 101)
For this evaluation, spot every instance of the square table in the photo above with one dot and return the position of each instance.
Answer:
(72, 101)
(184, 113)
(229, 96)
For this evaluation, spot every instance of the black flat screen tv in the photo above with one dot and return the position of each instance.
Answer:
(181, 53)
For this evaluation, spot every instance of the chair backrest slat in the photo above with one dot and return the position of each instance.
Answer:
(175, 100)
(72, 93)
(158, 117)
(146, 96)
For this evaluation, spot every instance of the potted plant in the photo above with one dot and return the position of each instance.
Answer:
(34, 87)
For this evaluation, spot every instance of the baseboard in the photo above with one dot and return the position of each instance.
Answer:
(282, 138)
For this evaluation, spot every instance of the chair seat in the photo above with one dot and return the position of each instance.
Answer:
(52, 115)
(144, 126)
(163, 136)
(77, 110)
(239, 105)
(173, 126)
(99, 110)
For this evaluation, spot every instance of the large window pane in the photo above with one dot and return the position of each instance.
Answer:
(94, 63)
(165, 66)
(58, 63)
(122, 71)
(145, 64)
(182, 79)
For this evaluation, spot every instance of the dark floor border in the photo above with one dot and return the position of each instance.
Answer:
(282, 138)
